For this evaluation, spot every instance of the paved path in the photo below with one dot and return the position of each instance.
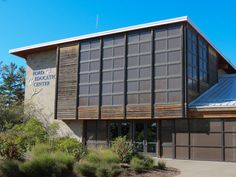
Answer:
(191, 168)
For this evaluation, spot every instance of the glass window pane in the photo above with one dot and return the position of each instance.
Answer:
(83, 89)
(107, 76)
(84, 67)
(119, 51)
(118, 62)
(145, 36)
(145, 59)
(101, 129)
(83, 101)
(107, 42)
(95, 54)
(145, 72)
(84, 56)
(94, 77)
(161, 84)
(161, 97)
(132, 86)
(160, 33)
(118, 75)
(132, 99)
(145, 47)
(106, 100)
(93, 101)
(174, 69)
(84, 78)
(133, 38)
(118, 99)
(161, 45)
(113, 130)
(144, 98)
(107, 52)
(93, 89)
(94, 66)
(132, 61)
(174, 83)
(174, 56)
(85, 45)
(174, 43)
(133, 49)
(119, 39)
(160, 71)
(172, 31)
(118, 87)
(144, 85)
(107, 64)
(106, 88)
(95, 44)
(161, 58)
(125, 129)
(174, 96)
(91, 130)
(132, 73)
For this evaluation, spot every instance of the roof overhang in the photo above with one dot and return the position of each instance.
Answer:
(25, 51)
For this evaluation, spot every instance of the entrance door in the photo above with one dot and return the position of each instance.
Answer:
(145, 137)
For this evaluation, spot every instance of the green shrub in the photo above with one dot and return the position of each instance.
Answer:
(93, 157)
(34, 130)
(103, 171)
(10, 168)
(41, 149)
(116, 170)
(71, 146)
(108, 156)
(123, 149)
(140, 163)
(161, 164)
(137, 164)
(12, 146)
(57, 164)
(85, 168)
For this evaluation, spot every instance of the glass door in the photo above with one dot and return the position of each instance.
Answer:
(145, 137)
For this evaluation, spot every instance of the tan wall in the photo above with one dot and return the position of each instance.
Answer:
(40, 92)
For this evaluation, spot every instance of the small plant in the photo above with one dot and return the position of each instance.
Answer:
(54, 164)
(137, 164)
(103, 171)
(123, 149)
(85, 168)
(10, 168)
(41, 149)
(71, 146)
(161, 164)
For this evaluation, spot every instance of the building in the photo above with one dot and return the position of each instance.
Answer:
(162, 84)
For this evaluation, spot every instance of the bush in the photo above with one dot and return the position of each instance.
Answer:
(41, 149)
(123, 149)
(161, 164)
(12, 146)
(10, 168)
(71, 146)
(137, 164)
(103, 171)
(140, 163)
(34, 130)
(85, 168)
(57, 164)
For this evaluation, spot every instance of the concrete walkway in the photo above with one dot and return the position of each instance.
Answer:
(191, 168)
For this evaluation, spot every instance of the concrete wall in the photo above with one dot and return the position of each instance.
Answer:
(40, 93)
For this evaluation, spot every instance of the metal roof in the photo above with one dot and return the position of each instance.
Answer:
(23, 50)
(222, 94)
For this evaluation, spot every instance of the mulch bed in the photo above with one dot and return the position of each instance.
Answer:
(169, 172)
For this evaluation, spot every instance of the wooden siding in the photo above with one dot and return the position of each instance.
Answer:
(112, 112)
(88, 112)
(212, 113)
(168, 111)
(67, 82)
(138, 112)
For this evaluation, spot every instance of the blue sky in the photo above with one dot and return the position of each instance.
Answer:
(27, 22)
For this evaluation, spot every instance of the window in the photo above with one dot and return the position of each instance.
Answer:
(113, 70)
(203, 64)
(89, 73)
(168, 67)
(139, 67)
(192, 60)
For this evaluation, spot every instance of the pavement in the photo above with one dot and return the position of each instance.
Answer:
(191, 168)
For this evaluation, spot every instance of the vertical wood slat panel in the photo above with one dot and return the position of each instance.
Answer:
(67, 82)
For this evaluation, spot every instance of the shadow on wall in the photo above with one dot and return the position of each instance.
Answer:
(66, 128)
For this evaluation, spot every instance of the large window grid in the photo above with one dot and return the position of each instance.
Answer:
(113, 70)
(139, 68)
(192, 60)
(168, 65)
(203, 65)
(89, 73)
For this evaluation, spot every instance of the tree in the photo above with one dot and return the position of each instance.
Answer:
(12, 83)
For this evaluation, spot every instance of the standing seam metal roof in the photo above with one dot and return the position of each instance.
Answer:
(222, 94)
